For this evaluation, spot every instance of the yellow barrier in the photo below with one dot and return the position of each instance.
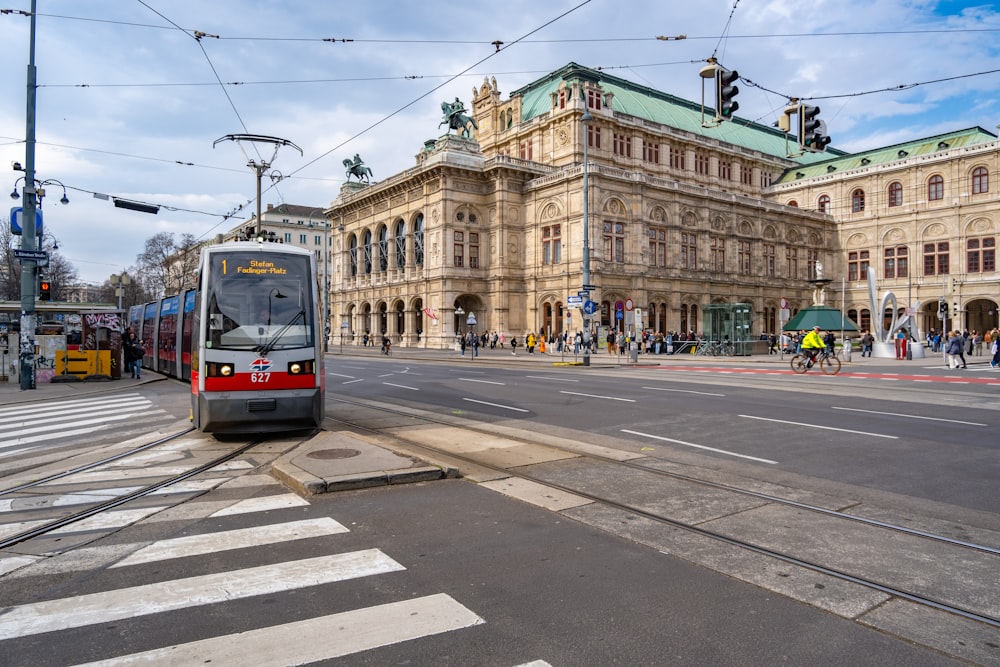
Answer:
(84, 362)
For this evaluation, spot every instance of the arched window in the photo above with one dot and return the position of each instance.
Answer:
(399, 234)
(368, 252)
(383, 248)
(354, 256)
(824, 203)
(793, 203)
(895, 194)
(980, 180)
(935, 188)
(418, 240)
(858, 201)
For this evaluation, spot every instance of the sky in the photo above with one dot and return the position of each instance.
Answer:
(131, 104)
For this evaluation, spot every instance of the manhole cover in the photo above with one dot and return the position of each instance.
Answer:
(333, 453)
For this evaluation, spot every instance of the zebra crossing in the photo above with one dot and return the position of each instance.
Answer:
(330, 636)
(26, 428)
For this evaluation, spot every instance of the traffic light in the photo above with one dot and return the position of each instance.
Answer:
(942, 308)
(44, 290)
(812, 131)
(725, 93)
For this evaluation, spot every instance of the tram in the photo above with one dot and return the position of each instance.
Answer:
(249, 339)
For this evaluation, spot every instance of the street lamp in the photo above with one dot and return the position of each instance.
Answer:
(585, 121)
(119, 281)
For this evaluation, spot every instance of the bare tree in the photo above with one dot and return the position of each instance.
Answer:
(10, 268)
(60, 271)
(62, 276)
(166, 266)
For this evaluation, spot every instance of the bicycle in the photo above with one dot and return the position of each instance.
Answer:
(828, 363)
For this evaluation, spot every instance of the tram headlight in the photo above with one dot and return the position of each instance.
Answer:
(218, 369)
(301, 367)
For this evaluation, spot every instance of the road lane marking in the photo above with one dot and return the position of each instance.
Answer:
(400, 386)
(684, 391)
(897, 414)
(691, 444)
(96, 608)
(502, 384)
(545, 377)
(332, 636)
(610, 398)
(825, 428)
(496, 405)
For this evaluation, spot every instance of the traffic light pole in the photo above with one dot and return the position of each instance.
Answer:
(28, 231)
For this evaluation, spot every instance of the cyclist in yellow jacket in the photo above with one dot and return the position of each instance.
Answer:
(812, 345)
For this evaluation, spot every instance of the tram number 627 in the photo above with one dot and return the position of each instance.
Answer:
(260, 377)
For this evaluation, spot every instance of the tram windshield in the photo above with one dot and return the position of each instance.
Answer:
(259, 301)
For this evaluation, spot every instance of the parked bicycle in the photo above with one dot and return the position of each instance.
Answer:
(828, 363)
(715, 348)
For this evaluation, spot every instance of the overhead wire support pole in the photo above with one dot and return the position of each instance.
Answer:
(28, 236)
(258, 167)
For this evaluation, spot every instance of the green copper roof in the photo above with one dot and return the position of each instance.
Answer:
(647, 103)
(928, 146)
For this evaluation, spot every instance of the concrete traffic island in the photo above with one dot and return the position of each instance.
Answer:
(330, 462)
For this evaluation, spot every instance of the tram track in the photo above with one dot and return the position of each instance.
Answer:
(94, 509)
(881, 535)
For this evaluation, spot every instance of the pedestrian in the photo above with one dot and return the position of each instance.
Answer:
(611, 341)
(867, 341)
(462, 343)
(995, 361)
(139, 351)
(529, 342)
(953, 349)
(513, 345)
(128, 353)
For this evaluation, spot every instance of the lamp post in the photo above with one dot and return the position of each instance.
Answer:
(470, 321)
(458, 313)
(585, 121)
(119, 281)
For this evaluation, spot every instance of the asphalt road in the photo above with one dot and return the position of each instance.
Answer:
(932, 440)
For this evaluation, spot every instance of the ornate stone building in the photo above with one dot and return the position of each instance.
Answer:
(680, 217)
(922, 215)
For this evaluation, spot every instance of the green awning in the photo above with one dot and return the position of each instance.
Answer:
(826, 318)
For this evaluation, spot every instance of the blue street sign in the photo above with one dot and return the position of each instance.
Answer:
(15, 221)
(590, 307)
(574, 300)
(619, 314)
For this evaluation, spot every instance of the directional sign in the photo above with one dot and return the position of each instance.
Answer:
(574, 300)
(590, 307)
(31, 254)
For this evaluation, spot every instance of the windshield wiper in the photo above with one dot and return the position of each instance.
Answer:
(268, 347)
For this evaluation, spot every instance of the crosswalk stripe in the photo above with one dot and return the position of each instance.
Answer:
(102, 521)
(95, 608)
(263, 504)
(42, 417)
(242, 538)
(32, 408)
(124, 470)
(102, 495)
(45, 432)
(330, 636)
